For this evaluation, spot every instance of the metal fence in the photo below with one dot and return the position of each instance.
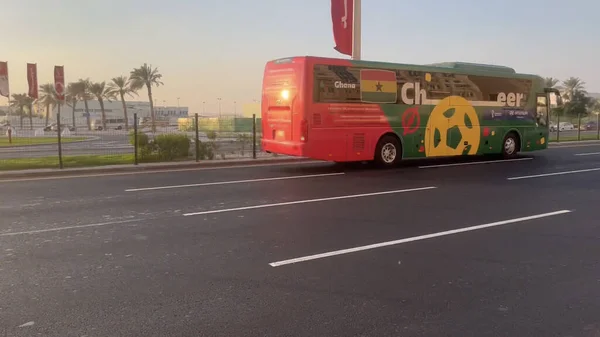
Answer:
(61, 145)
(567, 128)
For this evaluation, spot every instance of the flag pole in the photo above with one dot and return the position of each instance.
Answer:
(356, 30)
(8, 95)
(8, 108)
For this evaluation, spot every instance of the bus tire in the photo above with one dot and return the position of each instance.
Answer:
(511, 145)
(388, 151)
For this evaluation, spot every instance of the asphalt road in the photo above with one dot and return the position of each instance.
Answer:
(508, 252)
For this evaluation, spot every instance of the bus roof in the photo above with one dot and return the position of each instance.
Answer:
(452, 67)
(474, 67)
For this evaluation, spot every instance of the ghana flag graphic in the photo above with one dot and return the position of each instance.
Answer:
(378, 86)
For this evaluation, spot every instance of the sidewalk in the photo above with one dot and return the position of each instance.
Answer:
(37, 173)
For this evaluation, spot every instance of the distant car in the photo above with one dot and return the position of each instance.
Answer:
(4, 127)
(589, 126)
(565, 126)
(54, 127)
(552, 126)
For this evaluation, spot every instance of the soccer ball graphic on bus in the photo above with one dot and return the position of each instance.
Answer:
(452, 129)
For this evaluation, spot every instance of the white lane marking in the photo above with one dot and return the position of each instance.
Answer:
(554, 174)
(352, 196)
(588, 154)
(475, 163)
(234, 182)
(95, 175)
(415, 238)
(38, 231)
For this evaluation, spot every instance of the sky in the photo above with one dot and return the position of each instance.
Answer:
(206, 49)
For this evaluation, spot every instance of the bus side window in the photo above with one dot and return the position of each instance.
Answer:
(542, 109)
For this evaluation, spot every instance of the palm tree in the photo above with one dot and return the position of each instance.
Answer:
(18, 102)
(571, 86)
(551, 82)
(102, 92)
(47, 98)
(85, 96)
(596, 106)
(29, 104)
(121, 86)
(74, 91)
(148, 77)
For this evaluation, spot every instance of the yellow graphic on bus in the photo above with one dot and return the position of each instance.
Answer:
(438, 126)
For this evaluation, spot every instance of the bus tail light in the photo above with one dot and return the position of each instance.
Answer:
(304, 130)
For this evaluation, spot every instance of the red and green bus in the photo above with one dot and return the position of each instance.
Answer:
(348, 110)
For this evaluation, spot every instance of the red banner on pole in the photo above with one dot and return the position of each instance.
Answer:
(32, 80)
(59, 82)
(342, 17)
(4, 88)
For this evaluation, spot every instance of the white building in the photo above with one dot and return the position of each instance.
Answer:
(114, 110)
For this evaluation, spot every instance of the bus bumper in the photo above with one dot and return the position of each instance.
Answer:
(296, 149)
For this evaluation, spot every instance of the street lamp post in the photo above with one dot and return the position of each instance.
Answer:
(219, 99)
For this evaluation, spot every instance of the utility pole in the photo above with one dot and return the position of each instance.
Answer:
(219, 99)
(356, 30)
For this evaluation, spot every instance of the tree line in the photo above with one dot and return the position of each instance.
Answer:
(84, 90)
(578, 103)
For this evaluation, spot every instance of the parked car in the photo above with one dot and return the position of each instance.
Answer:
(54, 127)
(4, 127)
(553, 126)
(592, 125)
(565, 126)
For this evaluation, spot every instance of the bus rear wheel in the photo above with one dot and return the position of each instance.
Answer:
(510, 146)
(388, 151)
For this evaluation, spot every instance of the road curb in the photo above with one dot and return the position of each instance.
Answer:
(571, 142)
(156, 167)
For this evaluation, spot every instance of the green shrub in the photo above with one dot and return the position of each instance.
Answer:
(147, 152)
(171, 147)
(244, 139)
(145, 147)
(142, 138)
(206, 151)
(211, 135)
(210, 150)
